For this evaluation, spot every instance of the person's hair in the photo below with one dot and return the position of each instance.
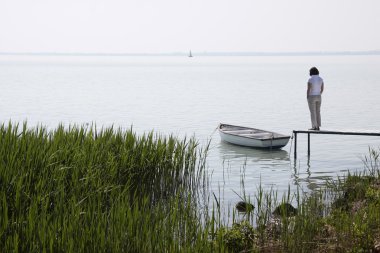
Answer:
(314, 71)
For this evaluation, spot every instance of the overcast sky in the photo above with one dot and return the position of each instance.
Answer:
(158, 26)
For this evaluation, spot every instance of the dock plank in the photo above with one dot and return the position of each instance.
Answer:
(331, 132)
(340, 132)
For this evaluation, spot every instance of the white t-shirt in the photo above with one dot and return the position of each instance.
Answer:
(316, 84)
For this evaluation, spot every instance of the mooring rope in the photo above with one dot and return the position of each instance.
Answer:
(214, 131)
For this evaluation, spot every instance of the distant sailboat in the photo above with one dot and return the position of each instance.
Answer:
(190, 55)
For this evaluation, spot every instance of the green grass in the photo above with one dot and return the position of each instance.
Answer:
(82, 189)
(342, 216)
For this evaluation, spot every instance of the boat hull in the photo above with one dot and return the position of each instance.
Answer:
(246, 137)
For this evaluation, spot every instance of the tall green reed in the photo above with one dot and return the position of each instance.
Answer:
(82, 189)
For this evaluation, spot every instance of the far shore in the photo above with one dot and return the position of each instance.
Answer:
(202, 53)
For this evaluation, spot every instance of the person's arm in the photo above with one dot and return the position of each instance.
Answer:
(322, 87)
(308, 89)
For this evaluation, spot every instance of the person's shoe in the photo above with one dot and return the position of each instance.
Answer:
(317, 129)
(313, 128)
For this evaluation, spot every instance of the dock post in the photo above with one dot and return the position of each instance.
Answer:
(310, 132)
(295, 145)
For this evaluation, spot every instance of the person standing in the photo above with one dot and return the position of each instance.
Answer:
(315, 88)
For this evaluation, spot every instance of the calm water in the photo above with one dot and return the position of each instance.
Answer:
(190, 96)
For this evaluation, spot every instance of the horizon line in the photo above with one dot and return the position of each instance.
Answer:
(203, 53)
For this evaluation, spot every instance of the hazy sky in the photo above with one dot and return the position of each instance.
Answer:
(153, 26)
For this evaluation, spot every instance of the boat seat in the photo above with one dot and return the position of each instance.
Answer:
(243, 131)
(258, 135)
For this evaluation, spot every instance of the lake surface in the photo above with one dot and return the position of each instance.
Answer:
(191, 96)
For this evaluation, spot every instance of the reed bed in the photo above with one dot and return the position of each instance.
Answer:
(80, 189)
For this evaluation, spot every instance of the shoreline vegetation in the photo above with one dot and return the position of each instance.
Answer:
(83, 189)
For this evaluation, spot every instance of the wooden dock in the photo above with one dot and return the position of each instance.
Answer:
(333, 132)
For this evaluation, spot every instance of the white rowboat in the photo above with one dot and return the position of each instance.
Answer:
(252, 137)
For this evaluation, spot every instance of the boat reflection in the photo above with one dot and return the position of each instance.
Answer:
(233, 152)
